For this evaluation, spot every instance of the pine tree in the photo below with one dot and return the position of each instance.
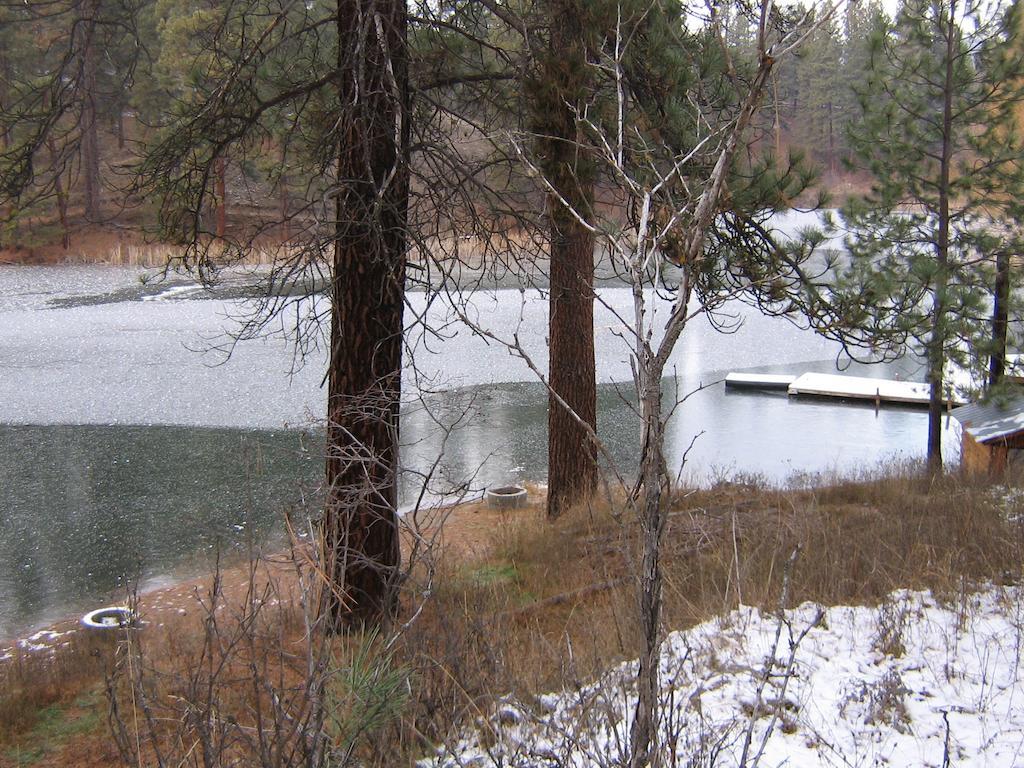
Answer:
(819, 71)
(939, 139)
(189, 62)
(56, 78)
(562, 83)
(331, 85)
(859, 23)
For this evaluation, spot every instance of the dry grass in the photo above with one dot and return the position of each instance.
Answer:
(554, 603)
(858, 541)
(31, 683)
(539, 606)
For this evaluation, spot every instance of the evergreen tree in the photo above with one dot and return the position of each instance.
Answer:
(939, 139)
(859, 23)
(330, 82)
(56, 78)
(561, 85)
(819, 75)
(193, 38)
(552, 46)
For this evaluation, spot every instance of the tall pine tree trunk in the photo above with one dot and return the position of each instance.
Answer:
(572, 455)
(1000, 318)
(937, 340)
(220, 196)
(90, 149)
(936, 401)
(360, 526)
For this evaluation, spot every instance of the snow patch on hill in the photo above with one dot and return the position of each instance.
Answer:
(910, 683)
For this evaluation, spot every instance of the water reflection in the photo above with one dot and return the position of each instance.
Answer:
(86, 506)
(502, 434)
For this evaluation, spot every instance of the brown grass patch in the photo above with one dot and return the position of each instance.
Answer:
(520, 605)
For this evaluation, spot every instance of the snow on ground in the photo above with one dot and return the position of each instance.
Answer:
(909, 683)
(1010, 500)
(43, 640)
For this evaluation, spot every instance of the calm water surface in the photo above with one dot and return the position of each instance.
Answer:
(132, 447)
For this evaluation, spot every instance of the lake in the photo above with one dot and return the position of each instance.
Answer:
(133, 446)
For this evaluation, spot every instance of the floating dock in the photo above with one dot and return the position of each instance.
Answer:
(860, 388)
(832, 385)
(759, 381)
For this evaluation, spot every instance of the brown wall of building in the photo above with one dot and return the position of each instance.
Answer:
(990, 459)
(974, 457)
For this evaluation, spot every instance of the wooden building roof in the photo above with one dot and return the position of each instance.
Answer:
(997, 419)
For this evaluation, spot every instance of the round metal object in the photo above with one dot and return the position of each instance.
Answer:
(506, 497)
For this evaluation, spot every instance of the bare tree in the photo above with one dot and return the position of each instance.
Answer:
(690, 233)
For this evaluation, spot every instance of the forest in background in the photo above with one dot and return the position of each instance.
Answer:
(369, 136)
(149, 64)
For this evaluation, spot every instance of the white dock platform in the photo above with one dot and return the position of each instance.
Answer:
(759, 380)
(834, 385)
(861, 388)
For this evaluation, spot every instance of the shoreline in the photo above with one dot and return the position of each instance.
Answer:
(463, 529)
(170, 594)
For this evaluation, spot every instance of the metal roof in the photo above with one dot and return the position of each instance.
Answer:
(1000, 417)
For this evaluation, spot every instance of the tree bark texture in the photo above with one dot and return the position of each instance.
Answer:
(572, 454)
(90, 149)
(652, 521)
(1000, 318)
(220, 197)
(360, 526)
